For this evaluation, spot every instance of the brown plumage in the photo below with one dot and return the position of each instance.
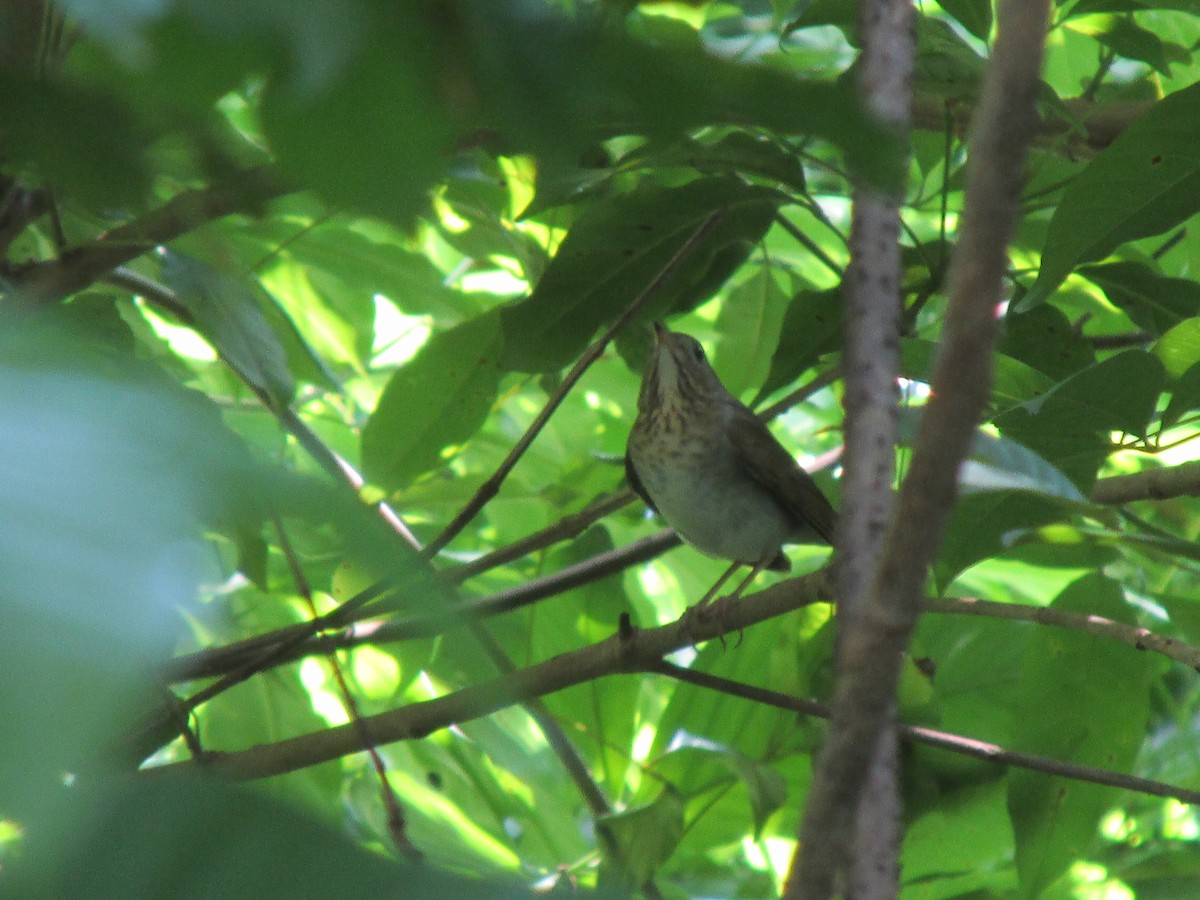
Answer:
(702, 459)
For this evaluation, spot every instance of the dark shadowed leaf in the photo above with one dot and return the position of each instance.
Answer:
(1044, 339)
(975, 17)
(811, 326)
(647, 835)
(1124, 37)
(615, 251)
(374, 138)
(206, 839)
(74, 136)
(1146, 182)
(1089, 7)
(1185, 396)
(1154, 302)
(556, 88)
(734, 152)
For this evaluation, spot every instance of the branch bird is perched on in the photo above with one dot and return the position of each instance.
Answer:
(701, 458)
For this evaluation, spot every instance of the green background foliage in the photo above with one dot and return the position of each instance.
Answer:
(241, 238)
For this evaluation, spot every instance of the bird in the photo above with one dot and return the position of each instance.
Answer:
(703, 460)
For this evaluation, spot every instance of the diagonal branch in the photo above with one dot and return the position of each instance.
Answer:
(1150, 484)
(943, 740)
(50, 281)
(629, 650)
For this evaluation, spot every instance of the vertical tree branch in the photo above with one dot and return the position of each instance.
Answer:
(871, 651)
(872, 365)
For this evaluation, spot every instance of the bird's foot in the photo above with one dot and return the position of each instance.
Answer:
(699, 617)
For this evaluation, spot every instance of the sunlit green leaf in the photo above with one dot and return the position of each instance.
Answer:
(1099, 691)
(434, 402)
(1144, 184)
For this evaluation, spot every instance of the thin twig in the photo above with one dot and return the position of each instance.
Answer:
(397, 828)
(809, 244)
(1132, 635)
(567, 527)
(297, 641)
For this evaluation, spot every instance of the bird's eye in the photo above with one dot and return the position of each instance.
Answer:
(698, 351)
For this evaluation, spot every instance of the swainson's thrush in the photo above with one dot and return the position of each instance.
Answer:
(701, 458)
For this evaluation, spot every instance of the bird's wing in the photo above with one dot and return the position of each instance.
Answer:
(631, 476)
(768, 463)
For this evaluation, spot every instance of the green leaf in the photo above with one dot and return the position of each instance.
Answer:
(1044, 339)
(1099, 691)
(436, 400)
(811, 327)
(1145, 182)
(974, 16)
(1179, 348)
(1152, 301)
(361, 258)
(1185, 396)
(1000, 464)
(1014, 381)
(1089, 7)
(557, 88)
(207, 838)
(377, 106)
(1128, 39)
(110, 471)
(749, 324)
(1003, 464)
(968, 831)
(946, 64)
(647, 835)
(984, 525)
(616, 249)
(734, 152)
(819, 13)
(340, 326)
(765, 788)
(1070, 425)
(226, 311)
(607, 711)
(75, 136)
(774, 654)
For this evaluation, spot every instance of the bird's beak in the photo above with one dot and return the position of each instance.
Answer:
(660, 332)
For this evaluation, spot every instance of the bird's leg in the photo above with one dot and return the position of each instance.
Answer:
(755, 569)
(718, 609)
(712, 591)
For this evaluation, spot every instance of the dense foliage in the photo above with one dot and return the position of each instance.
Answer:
(253, 249)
